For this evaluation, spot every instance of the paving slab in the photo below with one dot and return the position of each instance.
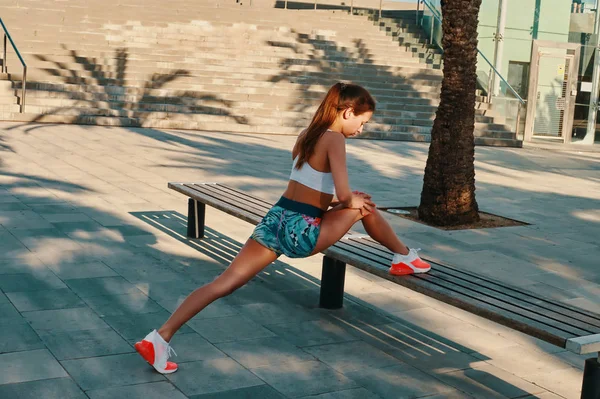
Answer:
(63, 387)
(299, 379)
(30, 365)
(78, 344)
(151, 390)
(210, 376)
(111, 371)
(45, 300)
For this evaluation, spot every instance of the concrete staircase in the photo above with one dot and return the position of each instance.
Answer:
(213, 66)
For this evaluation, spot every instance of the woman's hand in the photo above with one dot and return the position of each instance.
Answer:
(362, 201)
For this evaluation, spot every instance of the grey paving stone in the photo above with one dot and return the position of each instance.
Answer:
(192, 347)
(29, 366)
(487, 381)
(210, 376)
(8, 313)
(429, 319)
(134, 327)
(350, 356)
(310, 333)
(76, 270)
(110, 371)
(77, 344)
(225, 329)
(23, 219)
(50, 209)
(266, 313)
(45, 300)
(89, 287)
(400, 381)
(64, 320)
(297, 379)
(154, 274)
(30, 282)
(259, 391)
(121, 305)
(63, 388)
(152, 390)
(66, 217)
(16, 336)
(31, 265)
(263, 352)
(353, 312)
(70, 227)
(3, 299)
(13, 206)
(357, 393)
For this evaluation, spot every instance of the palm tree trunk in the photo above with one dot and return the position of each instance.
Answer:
(448, 196)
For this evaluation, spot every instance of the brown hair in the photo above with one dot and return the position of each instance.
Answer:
(339, 97)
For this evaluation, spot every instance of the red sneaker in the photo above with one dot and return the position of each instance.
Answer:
(156, 351)
(409, 264)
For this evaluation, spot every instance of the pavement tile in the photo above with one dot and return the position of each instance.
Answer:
(64, 320)
(17, 336)
(101, 286)
(265, 313)
(298, 379)
(356, 393)
(151, 390)
(121, 305)
(29, 366)
(489, 382)
(43, 280)
(77, 344)
(399, 381)
(263, 352)
(45, 300)
(8, 313)
(565, 382)
(530, 361)
(63, 388)
(192, 347)
(31, 265)
(80, 270)
(349, 356)
(226, 329)
(258, 391)
(210, 376)
(110, 371)
(311, 333)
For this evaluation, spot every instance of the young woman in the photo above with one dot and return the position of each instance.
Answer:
(306, 219)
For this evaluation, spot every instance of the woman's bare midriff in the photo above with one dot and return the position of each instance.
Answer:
(300, 193)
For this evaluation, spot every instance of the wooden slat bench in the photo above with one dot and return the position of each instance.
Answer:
(552, 321)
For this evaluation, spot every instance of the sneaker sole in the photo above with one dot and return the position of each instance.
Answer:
(145, 355)
(414, 270)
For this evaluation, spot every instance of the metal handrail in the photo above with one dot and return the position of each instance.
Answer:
(5, 69)
(438, 18)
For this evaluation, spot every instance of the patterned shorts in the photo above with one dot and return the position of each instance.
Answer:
(291, 232)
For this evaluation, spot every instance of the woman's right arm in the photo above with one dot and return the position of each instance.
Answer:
(336, 153)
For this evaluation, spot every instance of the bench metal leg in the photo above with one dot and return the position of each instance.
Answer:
(332, 283)
(196, 210)
(591, 379)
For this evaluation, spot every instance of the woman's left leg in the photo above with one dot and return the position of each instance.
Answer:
(380, 230)
(405, 260)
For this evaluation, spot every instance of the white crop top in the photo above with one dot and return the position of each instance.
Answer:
(312, 178)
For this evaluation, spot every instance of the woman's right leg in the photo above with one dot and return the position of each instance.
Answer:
(335, 223)
(252, 258)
